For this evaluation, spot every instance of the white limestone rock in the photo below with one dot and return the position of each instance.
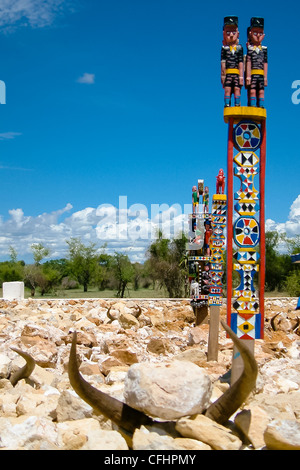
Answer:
(167, 390)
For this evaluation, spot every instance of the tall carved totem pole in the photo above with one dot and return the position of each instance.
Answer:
(246, 160)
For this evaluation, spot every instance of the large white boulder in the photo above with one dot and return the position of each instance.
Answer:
(167, 390)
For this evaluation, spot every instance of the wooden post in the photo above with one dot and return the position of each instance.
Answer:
(213, 336)
(201, 314)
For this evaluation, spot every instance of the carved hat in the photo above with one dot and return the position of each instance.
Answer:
(257, 22)
(230, 20)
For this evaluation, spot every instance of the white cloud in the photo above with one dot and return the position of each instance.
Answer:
(9, 135)
(292, 226)
(87, 78)
(21, 231)
(34, 13)
(129, 230)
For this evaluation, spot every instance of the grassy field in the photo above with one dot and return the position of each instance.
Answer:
(93, 292)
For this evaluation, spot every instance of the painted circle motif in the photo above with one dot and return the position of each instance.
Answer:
(246, 232)
(247, 135)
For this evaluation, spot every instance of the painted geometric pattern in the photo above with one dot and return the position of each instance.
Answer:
(217, 247)
(247, 190)
(199, 258)
(246, 159)
(247, 272)
(246, 326)
(215, 299)
(247, 135)
(246, 208)
(246, 232)
(246, 320)
(247, 196)
(247, 255)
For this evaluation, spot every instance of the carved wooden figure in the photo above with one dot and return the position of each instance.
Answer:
(256, 63)
(220, 182)
(232, 62)
(205, 199)
(195, 199)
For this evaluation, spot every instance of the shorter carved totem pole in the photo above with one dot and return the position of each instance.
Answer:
(198, 252)
(217, 247)
(205, 257)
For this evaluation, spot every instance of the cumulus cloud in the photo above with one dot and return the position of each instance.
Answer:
(126, 229)
(292, 226)
(21, 231)
(87, 79)
(34, 13)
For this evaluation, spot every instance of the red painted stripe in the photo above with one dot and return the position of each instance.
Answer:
(229, 216)
(262, 174)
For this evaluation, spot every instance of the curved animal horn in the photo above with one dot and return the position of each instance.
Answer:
(221, 410)
(121, 414)
(297, 324)
(273, 324)
(25, 371)
(110, 316)
(138, 312)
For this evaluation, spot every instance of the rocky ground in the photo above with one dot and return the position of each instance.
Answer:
(157, 338)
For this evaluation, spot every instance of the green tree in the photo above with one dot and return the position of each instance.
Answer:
(292, 284)
(123, 271)
(61, 265)
(103, 272)
(138, 275)
(32, 275)
(39, 252)
(83, 261)
(167, 263)
(10, 272)
(292, 243)
(13, 255)
(278, 266)
(50, 278)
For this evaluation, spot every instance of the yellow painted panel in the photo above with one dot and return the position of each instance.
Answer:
(244, 112)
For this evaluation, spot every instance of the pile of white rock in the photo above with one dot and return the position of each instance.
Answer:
(149, 354)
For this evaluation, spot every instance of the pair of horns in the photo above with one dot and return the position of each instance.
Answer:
(129, 418)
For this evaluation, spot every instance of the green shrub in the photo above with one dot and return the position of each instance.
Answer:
(292, 284)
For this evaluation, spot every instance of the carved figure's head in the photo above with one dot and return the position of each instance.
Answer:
(230, 31)
(256, 31)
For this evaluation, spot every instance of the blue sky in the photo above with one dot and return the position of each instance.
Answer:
(123, 98)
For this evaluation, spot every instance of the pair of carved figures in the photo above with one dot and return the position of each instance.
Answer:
(196, 193)
(237, 70)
